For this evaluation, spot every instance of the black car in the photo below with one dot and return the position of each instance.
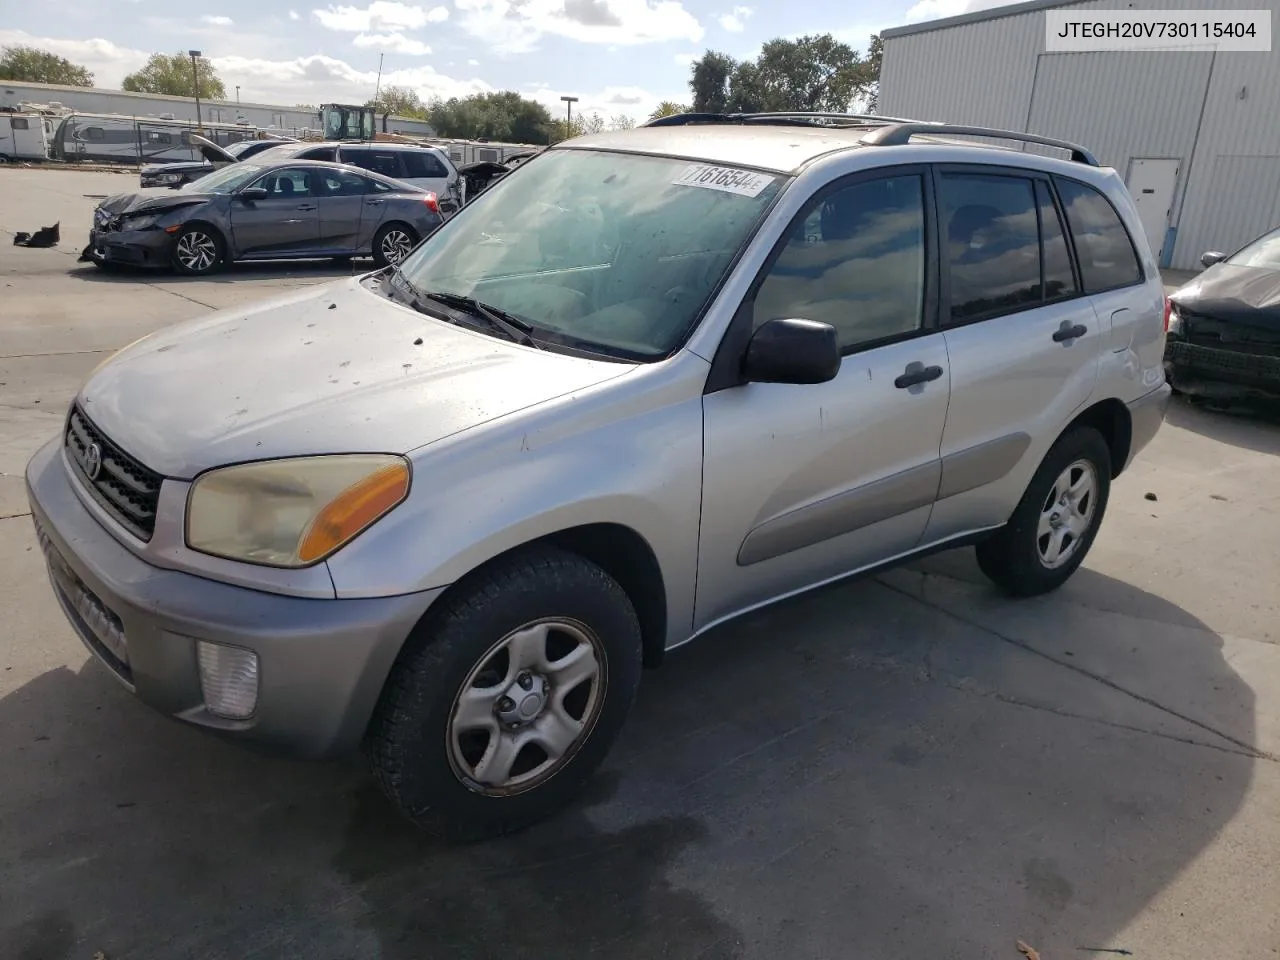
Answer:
(176, 174)
(261, 210)
(1224, 326)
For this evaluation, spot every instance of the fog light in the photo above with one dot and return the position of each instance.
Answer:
(229, 679)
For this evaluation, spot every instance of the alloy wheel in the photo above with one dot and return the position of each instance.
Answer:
(196, 251)
(1067, 514)
(396, 245)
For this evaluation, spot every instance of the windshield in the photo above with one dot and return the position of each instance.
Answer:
(227, 180)
(1263, 252)
(606, 251)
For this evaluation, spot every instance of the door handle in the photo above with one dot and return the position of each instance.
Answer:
(1069, 331)
(372, 202)
(916, 372)
(306, 206)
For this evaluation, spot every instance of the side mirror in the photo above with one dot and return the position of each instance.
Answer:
(1212, 257)
(792, 351)
(250, 194)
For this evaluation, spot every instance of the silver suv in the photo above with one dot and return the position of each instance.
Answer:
(650, 381)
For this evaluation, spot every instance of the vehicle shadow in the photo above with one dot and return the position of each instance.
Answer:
(868, 771)
(1253, 426)
(232, 273)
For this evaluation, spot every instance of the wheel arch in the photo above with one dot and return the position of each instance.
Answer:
(1111, 418)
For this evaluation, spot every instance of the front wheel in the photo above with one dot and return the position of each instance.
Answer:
(392, 243)
(500, 710)
(1055, 522)
(198, 250)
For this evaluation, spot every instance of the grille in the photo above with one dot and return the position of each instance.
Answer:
(1247, 369)
(124, 487)
(1207, 332)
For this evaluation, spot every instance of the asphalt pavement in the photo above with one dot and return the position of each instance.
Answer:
(908, 766)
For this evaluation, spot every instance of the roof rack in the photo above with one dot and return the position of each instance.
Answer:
(898, 134)
(787, 117)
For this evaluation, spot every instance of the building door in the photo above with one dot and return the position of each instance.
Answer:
(1151, 183)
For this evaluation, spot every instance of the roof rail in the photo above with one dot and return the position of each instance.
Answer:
(894, 135)
(789, 117)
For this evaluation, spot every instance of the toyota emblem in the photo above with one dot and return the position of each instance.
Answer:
(93, 461)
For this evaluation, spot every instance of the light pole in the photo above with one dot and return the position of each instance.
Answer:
(568, 117)
(195, 74)
(237, 94)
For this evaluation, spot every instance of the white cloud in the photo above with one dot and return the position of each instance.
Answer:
(935, 9)
(380, 15)
(321, 79)
(293, 15)
(216, 21)
(515, 26)
(392, 43)
(635, 102)
(734, 21)
(107, 62)
(473, 63)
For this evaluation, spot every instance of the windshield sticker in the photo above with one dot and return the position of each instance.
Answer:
(744, 183)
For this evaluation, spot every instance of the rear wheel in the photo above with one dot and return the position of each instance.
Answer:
(198, 250)
(1055, 523)
(393, 242)
(499, 712)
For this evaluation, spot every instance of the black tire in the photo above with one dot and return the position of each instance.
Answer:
(202, 237)
(411, 743)
(380, 256)
(1013, 558)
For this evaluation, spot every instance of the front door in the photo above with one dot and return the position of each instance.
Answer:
(1151, 183)
(286, 220)
(803, 483)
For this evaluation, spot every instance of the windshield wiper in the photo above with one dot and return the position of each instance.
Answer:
(520, 331)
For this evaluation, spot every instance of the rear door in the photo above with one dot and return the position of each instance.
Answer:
(1023, 341)
(286, 221)
(341, 207)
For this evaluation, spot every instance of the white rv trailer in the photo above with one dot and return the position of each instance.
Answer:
(25, 136)
(465, 152)
(107, 138)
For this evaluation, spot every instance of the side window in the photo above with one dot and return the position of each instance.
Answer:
(423, 165)
(318, 153)
(1103, 245)
(286, 183)
(377, 186)
(339, 183)
(94, 133)
(991, 244)
(20, 123)
(856, 260)
(1059, 281)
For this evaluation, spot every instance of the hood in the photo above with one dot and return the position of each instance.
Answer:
(184, 166)
(1246, 295)
(211, 151)
(330, 369)
(152, 199)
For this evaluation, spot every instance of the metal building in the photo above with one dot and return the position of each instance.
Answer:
(1196, 135)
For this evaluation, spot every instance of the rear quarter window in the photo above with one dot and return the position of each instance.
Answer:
(424, 165)
(1108, 258)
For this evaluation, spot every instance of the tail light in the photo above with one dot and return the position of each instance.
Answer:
(433, 205)
(1168, 306)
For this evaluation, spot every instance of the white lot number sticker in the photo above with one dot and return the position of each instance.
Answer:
(744, 183)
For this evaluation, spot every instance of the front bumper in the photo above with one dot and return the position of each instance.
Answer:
(138, 248)
(322, 663)
(1215, 372)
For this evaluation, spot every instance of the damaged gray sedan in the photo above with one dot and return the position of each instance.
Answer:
(286, 210)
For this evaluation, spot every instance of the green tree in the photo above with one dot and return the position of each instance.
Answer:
(709, 81)
(31, 65)
(175, 75)
(504, 116)
(668, 108)
(399, 102)
(812, 74)
(621, 122)
(875, 57)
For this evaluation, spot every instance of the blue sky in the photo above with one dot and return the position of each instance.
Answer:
(618, 56)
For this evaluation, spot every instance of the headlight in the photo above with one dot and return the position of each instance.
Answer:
(168, 177)
(295, 512)
(141, 223)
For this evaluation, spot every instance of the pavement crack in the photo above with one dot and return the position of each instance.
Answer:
(1248, 748)
(14, 516)
(52, 353)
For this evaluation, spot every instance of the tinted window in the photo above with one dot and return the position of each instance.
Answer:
(385, 162)
(1103, 246)
(286, 183)
(93, 133)
(1059, 281)
(20, 123)
(318, 153)
(423, 165)
(339, 183)
(855, 259)
(991, 244)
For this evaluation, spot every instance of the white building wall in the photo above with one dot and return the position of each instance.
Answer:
(995, 72)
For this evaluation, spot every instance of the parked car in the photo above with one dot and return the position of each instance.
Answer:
(259, 210)
(1224, 328)
(425, 167)
(449, 510)
(176, 174)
